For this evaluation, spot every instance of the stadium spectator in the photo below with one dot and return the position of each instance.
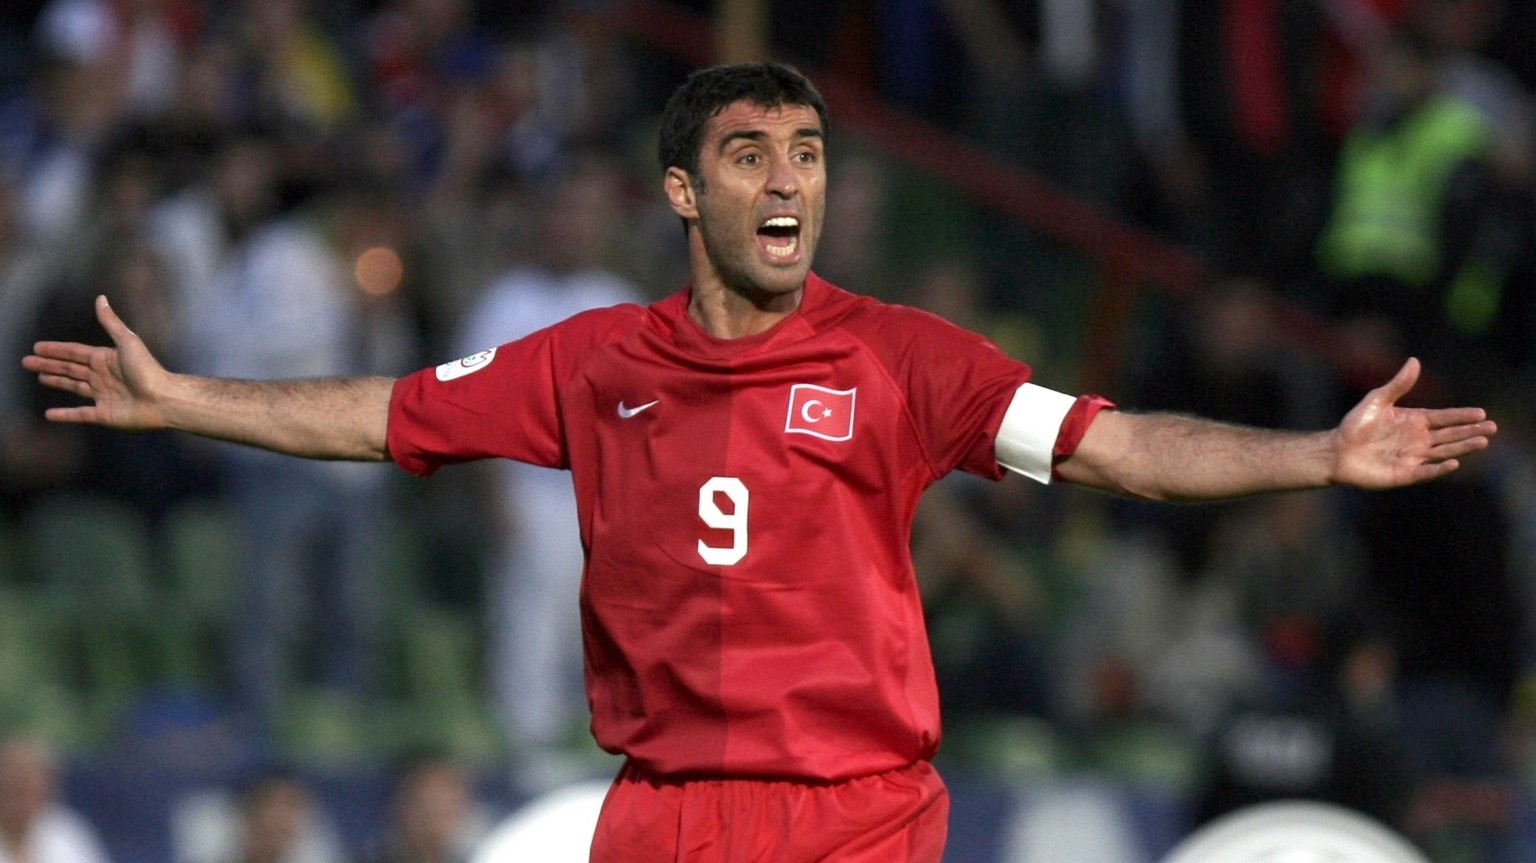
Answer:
(279, 820)
(1323, 727)
(131, 50)
(263, 289)
(420, 58)
(36, 825)
(535, 562)
(1406, 251)
(296, 71)
(1228, 105)
(434, 814)
(32, 457)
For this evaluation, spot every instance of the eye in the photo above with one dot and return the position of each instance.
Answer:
(748, 159)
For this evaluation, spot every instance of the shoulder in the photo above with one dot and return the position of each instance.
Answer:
(620, 317)
(487, 334)
(896, 326)
(69, 835)
(917, 346)
(592, 328)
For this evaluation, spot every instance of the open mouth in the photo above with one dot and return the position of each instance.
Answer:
(780, 236)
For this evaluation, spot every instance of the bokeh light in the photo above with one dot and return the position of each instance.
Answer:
(379, 271)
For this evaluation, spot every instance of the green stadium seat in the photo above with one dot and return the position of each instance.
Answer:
(1148, 754)
(441, 658)
(91, 554)
(33, 692)
(321, 726)
(91, 558)
(444, 701)
(199, 540)
(1007, 747)
(403, 564)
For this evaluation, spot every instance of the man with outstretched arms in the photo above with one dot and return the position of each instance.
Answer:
(748, 455)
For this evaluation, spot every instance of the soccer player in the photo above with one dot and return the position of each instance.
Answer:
(747, 456)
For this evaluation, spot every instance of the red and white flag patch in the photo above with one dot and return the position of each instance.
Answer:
(821, 412)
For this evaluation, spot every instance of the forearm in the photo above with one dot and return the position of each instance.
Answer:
(322, 418)
(1178, 458)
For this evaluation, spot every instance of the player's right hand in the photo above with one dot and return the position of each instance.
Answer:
(121, 381)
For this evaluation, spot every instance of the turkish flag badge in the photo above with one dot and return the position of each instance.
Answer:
(818, 411)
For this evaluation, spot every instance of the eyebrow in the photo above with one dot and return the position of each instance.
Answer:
(759, 135)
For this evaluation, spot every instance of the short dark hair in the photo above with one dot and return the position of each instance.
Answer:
(708, 91)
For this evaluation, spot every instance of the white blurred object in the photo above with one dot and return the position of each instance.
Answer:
(1295, 831)
(554, 828)
(206, 827)
(1071, 823)
(81, 30)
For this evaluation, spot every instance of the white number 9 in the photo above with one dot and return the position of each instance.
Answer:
(734, 521)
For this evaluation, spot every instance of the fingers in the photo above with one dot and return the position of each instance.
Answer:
(1450, 442)
(1458, 448)
(76, 414)
(1401, 382)
(70, 352)
(45, 364)
(64, 366)
(111, 322)
(1434, 470)
(67, 383)
(1442, 418)
(1451, 434)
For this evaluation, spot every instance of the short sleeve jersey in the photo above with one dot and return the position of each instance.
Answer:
(749, 605)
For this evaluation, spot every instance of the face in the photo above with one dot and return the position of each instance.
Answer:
(758, 200)
(245, 179)
(274, 820)
(577, 222)
(26, 785)
(435, 806)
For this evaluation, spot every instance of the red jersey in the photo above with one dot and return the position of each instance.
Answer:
(749, 603)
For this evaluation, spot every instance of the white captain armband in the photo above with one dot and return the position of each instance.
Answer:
(1027, 437)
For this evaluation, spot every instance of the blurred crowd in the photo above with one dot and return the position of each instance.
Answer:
(279, 188)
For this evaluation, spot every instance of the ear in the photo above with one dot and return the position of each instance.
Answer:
(680, 193)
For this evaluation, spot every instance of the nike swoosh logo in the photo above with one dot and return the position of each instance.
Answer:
(627, 412)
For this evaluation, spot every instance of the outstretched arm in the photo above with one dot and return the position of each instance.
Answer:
(1377, 445)
(339, 418)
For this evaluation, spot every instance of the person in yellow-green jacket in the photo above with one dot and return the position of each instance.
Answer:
(1415, 239)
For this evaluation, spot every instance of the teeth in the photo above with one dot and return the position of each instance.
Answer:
(782, 222)
(785, 250)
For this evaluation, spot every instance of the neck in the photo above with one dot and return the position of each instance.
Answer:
(735, 308)
(728, 314)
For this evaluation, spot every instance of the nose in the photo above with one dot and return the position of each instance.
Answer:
(782, 180)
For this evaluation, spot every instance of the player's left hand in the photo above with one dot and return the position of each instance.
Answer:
(1382, 445)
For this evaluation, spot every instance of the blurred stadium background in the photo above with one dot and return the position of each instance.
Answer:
(1131, 195)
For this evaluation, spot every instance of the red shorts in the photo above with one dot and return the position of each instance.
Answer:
(896, 817)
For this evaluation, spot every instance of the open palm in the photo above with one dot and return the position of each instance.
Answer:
(120, 381)
(1383, 445)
